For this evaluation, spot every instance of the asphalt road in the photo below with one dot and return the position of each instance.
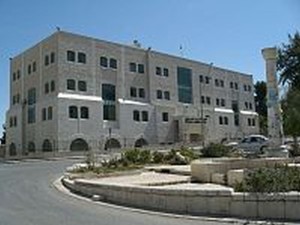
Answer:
(27, 197)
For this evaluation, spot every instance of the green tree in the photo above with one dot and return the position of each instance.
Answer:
(260, 88)
(288, 63)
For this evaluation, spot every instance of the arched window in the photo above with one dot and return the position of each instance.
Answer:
(73, 112)
(112, 143)
(79, 145)
(47, 146)
(31, 147)
(140, 143)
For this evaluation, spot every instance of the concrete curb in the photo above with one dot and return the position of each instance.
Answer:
(58, 184)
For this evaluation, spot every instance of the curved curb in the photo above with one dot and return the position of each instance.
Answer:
(60, 187)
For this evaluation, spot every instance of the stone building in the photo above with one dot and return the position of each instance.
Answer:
(71, 92)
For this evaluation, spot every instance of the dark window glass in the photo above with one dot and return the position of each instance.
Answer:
(221, 83)
(11, 122)
(208, 100)
(207, 80)
(31, 114)
(184, 82)
(141, 92)
(113, 63)
(246, 105)
(159, 94)
(133, 92)
(236, 119)
(249, 122)
(231, 84)
(166, 72)
(226, 120)
(18, 74)
(47, 88)
(223, 102)
(52, 86)
(167, 95)
(14, 76)
(15, 121)
(249, 88)
(145, 116)
(82, 85)
(18, 98)
(52, 57)
(220, 120)
(44, 114)
(103, 61)
(81, 57)
(109, 112)
(165, 116)
(14, 100)
(217, 102)
(71, 84)
(132, 67)
(158, 71)
(253, 122)
(250, 105)
(202, 99)
(71, 56)
(34, 66)
(46, 62)
(245, 87)
(73, 112)
(136, 115)
(31, 96)
(50, 113)
(29, 69)
(84, 112)
(141, 68)
(236, 86)
(216, 82)
(200, 78)
(108, 92)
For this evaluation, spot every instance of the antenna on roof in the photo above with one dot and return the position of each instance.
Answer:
(57, 28)
(181, 50)
(136, 43)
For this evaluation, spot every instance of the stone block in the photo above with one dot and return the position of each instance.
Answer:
(292, 210)
(218, 178)
(244, 209)
(197, 205)
(271, 209)
(235, 176)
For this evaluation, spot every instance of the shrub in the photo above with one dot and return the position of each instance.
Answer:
(277, 179)
(131, 155)
(158, 157)
(145, 157)
(188, 153)
(216, 150)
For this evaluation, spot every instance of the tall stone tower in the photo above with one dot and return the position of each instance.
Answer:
(274, 115)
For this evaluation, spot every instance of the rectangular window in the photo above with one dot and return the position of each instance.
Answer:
(167, 95)
(50, 113)
(217, 102)
(145, 116)
(29, 69)
(82, 85)
(31, 114)
(132, 67)
(165, 117)
(46, 60)
(216, 82)
(207, 80)
(108, 92)
(226, 120)
(136, 115)
(52, 57)
(202, 99)
(231, 84)
(14, 76)
(249, 122)
(31, 96)
(47, 88)
(84, 112)
(133, 92)
(44, 114)
(34, 66)
(15, 121)
(81, 57)
(223, 102)
(103, 62)
(73, 112)
(141, 92)
(52, 86)
(200, 78)
(208, 100)
(141, 68)
(184, 82)
(158, 71)
(71, 84)
(221, 83)
(70, 56)
(18, 74)
(220, 120)
(158, 94)
(109, 112)
(166, 72)
(236, 86)
(113, 63)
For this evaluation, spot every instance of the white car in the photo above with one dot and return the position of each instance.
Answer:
(252, 144)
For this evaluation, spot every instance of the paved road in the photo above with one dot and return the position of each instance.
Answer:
(27, 197)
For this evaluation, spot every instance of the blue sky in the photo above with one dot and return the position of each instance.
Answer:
(228, 33)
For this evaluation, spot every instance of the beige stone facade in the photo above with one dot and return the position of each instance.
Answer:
(152, 102)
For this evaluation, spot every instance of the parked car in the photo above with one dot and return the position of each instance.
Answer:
(251, 145)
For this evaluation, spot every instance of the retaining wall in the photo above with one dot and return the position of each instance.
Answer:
(225, 203)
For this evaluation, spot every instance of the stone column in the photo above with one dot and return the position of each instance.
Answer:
(274, 116)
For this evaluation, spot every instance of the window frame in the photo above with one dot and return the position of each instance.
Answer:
(82, 86)
(84, 112)
(113, 63)
(165, 117)
(103, 61)
(71, 56)
(73, 112)
(81, 57)
(136, 116)
(69, 85)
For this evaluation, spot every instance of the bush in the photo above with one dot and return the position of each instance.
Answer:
(145, 157)
(277, 179)
(216, 150)
(131, 155)
(157, 157)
